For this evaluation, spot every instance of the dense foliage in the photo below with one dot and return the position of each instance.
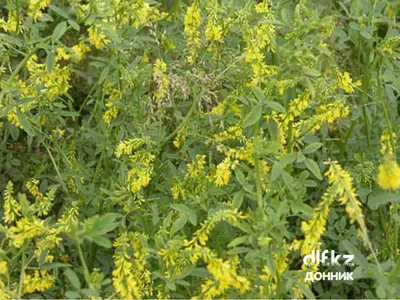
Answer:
(179, 149)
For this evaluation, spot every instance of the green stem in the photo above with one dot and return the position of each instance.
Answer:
(257, 176)
(86, 272)
(183, 123)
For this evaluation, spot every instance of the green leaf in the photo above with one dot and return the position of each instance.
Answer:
(312, 148)
(193, 218)
(287, 159)
(59, 11)
(382, 198)
(59, 31)
(311, 72)
(182, 208)
(359, 257)
(314, 168)
(103, 242)
(26, 125)
(237, 241)
(178, 224)
(50, 61)
(275, 106)
(99, 225)
(253, 116)
(237, 200)
(258, 93)
(73, 278)
(276, 171)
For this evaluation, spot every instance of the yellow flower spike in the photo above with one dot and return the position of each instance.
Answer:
(131, 278)
(97, 37)
(161, 79)
(192, 25)
(36, 7)
(11, 207)
(223, 173)
(40, 281)
(3, 267)
(25, 230)
(389, 174)
(62, 54)
(345, 82)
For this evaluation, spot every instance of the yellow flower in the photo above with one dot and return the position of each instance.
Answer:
(79, 51)
(161, 78)
(389, 174)
(213, 31)
(192, 24)
(61, 54)
(11, 207)
(14, 22)
(36, 7)
(25, 230)
(131, 278)
(386, 142)
(3, 267)
(223, 173)
(345, 82)
(225, 276)
(97, 37)
(40, 281)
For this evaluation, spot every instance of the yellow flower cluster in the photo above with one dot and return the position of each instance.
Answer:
(51, 240)
(344, 81)
(213, 30)
(11, 207)
(234, 132)
(180, 138)
(134, 12)
(43, 203)
(201, 235)
(97, 37)
(224, 272)
(389, 174)
(173, 255)
(14, 22)
(386, 142)
(141, 162)
(225, 277)
(390, 45)
(131, 278)
(39, 281)
(259, 38)
(289, 121)
(340, 188)
(114, 96)
(284, 84)
(26, 229)
(78, 51)
(3, 267)
(230, 104)
(298, 105)
(272, 277)
(192, 25)
(223, 172)
(36, 7)
(4, 292)
(56, 83)
(161, 79)
(244, 153)
(195, 179)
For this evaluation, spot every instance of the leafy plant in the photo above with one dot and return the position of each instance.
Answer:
(179, 149)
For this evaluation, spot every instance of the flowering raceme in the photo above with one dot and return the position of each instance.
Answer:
(389, 174)
(97, 37)
(192, 24)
